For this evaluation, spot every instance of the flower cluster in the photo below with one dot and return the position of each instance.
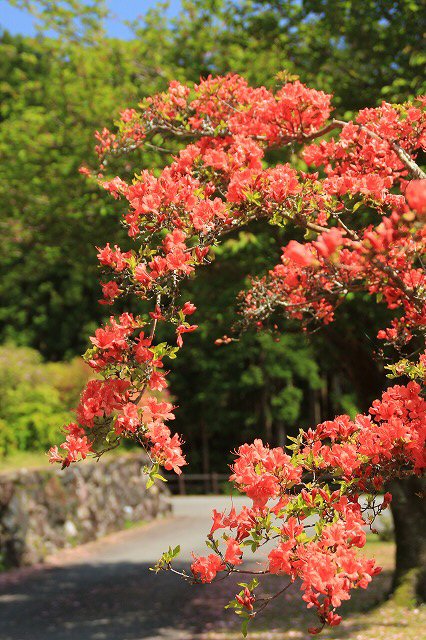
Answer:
(223, 106)
(114, 407)
(362, 214)
(314, 277)
(317, 530)
(373, 149)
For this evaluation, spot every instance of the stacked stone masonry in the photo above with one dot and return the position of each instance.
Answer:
(44, 510)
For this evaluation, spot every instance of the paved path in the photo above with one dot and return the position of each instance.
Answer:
(104, 591)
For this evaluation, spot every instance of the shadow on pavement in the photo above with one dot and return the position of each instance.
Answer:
(117, 601)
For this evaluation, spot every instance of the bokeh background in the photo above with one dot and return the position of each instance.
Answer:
(67, 69)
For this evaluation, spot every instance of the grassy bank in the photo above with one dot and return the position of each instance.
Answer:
(24, 460)
(36, 459)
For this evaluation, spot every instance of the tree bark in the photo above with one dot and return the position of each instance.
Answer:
(409, 515)
(281, 434)
(205, 453)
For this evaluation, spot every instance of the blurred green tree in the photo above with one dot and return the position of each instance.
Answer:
(361, 52)
(56, 90)
(36, 398)
(53, 97)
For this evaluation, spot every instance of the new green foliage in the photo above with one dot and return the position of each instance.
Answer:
(35, 398)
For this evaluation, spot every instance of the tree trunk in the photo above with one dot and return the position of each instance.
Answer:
(355, 361)
(314, 404)
(265, 401)
(409, 515)
(205, 453)
(281, 434)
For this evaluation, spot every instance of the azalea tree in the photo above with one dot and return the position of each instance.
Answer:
(356, 201)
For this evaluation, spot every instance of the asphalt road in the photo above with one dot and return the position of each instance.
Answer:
(105, 591)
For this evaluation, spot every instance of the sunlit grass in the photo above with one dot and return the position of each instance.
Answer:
(23, 460)
(36, 459)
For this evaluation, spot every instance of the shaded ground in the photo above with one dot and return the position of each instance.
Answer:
(104, 591)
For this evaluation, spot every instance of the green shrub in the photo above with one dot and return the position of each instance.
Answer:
(7, 439)
(36, 398)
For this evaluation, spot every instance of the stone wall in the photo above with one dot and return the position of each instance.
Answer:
(44, 510)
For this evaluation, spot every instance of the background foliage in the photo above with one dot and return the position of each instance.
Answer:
(35, 397)
(56, 90)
